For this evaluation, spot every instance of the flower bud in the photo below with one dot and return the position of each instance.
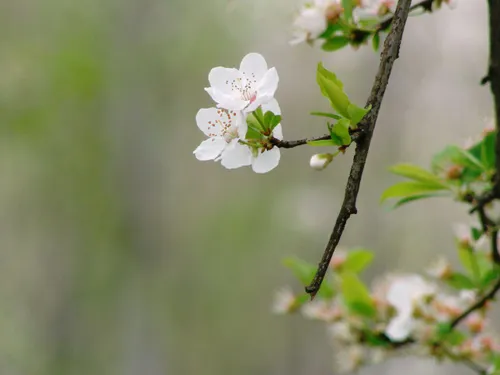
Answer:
(320, 161)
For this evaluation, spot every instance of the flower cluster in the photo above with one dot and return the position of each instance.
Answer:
(241, 128)
(339, 25)
(410, 311)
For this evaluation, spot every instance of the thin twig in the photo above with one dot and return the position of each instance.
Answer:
(495, 255)
(467, 362)
(389, 54)
(479, 304)
(355, 137)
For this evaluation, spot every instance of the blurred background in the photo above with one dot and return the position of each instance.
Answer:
(122, 254)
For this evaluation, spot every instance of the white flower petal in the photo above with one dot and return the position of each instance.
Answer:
(253, 67)
(311, 21)
(224, 79)
(236, 155)
(210, 148)
(269, 83)
(242, 126)
(230, 102)
(278, 132)
(207, 120)
(272, 106)
(266, 161)
(400, 327)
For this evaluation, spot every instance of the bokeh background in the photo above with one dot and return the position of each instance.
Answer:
(120, 253)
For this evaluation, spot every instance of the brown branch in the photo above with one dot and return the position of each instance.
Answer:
(479, 304)
(493, 78)
(426, 5)
(355, 137)
(389, 54)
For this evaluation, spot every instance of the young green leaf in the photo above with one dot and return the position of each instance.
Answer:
(356, 113)
(417, 197)
(484, 150)
(326, 114)
(305, 273)
(347, 5)
(376, 41)
(271, 120)
(476, 263)
(356, 295)
(357, 260)
(418, 174)
(409, 189)
(322, 143)
(340, 132)
(335, 43)
(460, 281)
(332, 88)
(490, 276)
(460, 157)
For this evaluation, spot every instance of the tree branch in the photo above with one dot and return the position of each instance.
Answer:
(355, 137)
(389, 54)
(493, 77)
(479, 304)
(426, 5)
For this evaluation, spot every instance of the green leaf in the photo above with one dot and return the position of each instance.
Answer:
(442, 329)
(347, 5)
(331, 30)
(271, 120)
(454, 338)
(454, 155)
(335, 43)
(484, 150)
(357, 260)
(413, 198)
(408, 189)
(340, 132)
(356, 295)
(255, 120)
(490, 276)
(305, 273)
(326, 114)
(460, 281)
(476, 263)
(332, 88)
(416, 173)
(356, 113)
(322, 143)
(376, 41)
(476, 233)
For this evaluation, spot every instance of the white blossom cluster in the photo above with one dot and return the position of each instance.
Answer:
(239, 92)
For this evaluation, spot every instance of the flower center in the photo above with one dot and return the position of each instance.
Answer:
(244, 87)
(225, 121)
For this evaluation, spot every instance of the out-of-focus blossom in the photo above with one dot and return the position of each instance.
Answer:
(313, 19)
(440, 269)
(406, 294)
(284, 301)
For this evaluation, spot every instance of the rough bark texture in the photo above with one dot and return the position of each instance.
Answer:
(389, 54)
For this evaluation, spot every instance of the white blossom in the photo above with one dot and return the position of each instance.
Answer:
(405, 294)
(313, 18)
(224, 129)
(320, 161)
(440, 269)
(262, 159)
(284, 301)
(370, 9)
(246, 88)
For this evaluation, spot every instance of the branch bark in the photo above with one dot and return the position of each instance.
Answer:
(389, 54)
